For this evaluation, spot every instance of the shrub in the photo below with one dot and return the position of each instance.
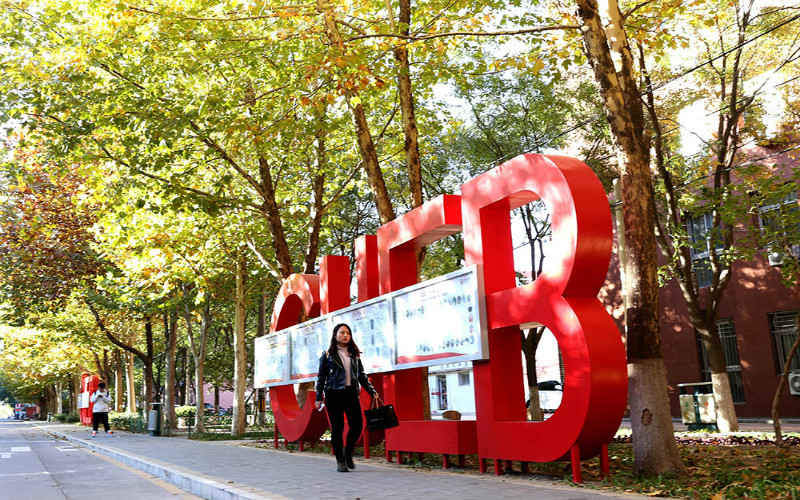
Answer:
(185, 411)
(132, 422)
(69, 418)
(185, 415)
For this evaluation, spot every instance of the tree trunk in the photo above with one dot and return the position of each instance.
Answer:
(131, 384)
(118, 383)
(262, 315)
(59, 400)
(186, 398)
(49, 401)
(102, 368)
(240, 354)
(732, 104)
(75, 393)
(530, 343)
(171, 334)
(302, 392)
(312, 247)
(720, 383)
(317, 192)
(408, 114)
(198, 347)
(366, 146)
(273, 216)
(655, 450)
(776, 399)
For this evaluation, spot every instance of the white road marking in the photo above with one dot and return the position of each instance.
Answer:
(20, 449)
(66, 448)
(26, 474)
(5, 455)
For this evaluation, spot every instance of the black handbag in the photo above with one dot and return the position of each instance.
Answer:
(380, 416)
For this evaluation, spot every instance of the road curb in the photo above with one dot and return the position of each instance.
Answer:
(191, 482)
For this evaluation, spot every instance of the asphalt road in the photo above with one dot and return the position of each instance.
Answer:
(36, 466)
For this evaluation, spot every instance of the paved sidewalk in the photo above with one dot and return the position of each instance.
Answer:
(220, 471)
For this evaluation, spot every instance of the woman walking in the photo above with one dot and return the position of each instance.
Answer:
(338, 378)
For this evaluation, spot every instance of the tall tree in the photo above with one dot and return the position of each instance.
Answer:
(45, 238)
(608, 51)
(701, 207)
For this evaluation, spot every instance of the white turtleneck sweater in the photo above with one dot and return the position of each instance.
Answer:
(344, 355)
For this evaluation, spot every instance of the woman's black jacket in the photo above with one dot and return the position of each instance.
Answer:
(330, 375)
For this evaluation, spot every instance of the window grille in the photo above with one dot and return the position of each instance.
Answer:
(784, 333)
(730, 350)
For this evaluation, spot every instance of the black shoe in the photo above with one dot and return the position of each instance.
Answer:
(341, 467)
(348, 459)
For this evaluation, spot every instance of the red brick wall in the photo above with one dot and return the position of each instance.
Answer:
(755, 291)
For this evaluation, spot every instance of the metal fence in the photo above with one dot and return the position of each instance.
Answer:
(257, 424)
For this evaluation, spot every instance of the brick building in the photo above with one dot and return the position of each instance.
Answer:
(756, 320)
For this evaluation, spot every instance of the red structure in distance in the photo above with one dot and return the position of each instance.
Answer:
(563, 298)
(88, 386)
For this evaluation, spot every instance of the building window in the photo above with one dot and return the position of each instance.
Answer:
(702, 271)
(701, 236)
(463, 378)
(777, 215)
(730, 349)
(778, 219)
(784, 334)
(441, 391)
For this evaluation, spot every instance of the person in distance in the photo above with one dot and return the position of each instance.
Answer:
(102, 403)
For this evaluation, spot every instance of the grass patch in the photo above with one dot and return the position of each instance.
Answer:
(716, 472)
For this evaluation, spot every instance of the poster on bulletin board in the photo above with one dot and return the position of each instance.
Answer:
(308, 341)
(439, 321)
(271, 359)
(371, 323)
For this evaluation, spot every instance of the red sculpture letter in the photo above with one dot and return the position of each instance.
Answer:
(563, 298)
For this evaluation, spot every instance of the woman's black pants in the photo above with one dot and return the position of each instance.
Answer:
(340, 403)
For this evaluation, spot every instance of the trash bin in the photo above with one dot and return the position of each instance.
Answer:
(154, 419)
(698, 407)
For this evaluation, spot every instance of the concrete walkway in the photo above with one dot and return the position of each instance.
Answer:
(224, 471)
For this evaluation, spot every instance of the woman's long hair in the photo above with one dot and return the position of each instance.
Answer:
(352, 348)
